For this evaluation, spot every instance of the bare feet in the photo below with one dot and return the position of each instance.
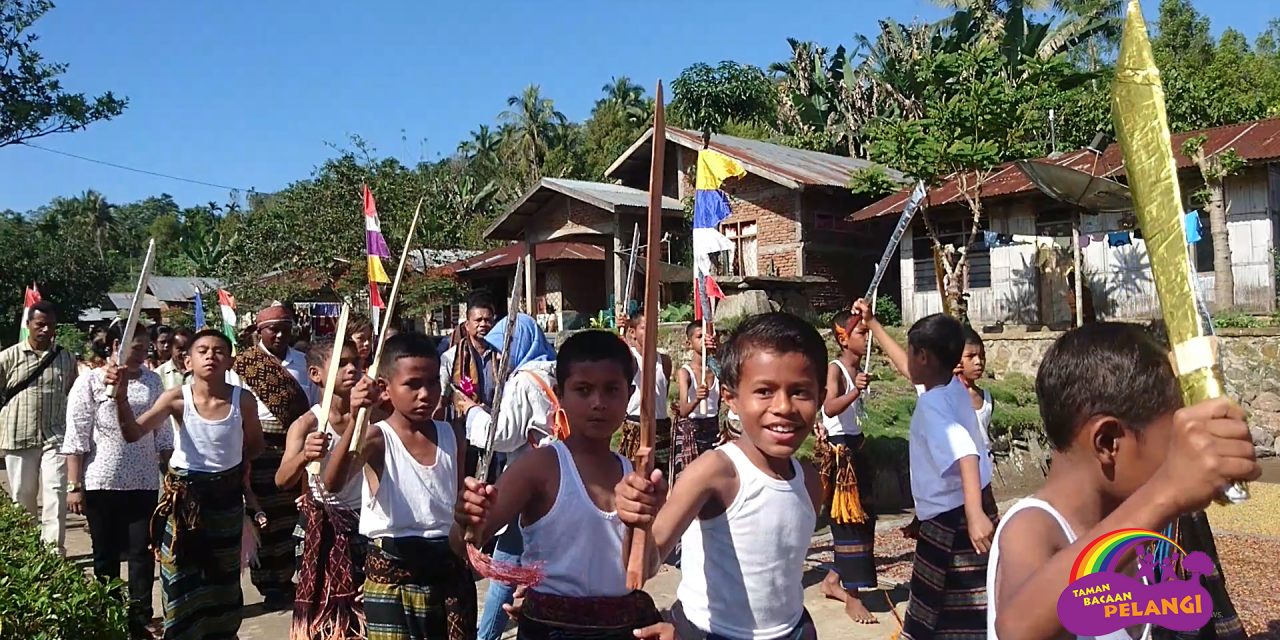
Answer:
(831, 587)
(854, 608)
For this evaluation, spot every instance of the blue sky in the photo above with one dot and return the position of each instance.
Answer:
(250, 94)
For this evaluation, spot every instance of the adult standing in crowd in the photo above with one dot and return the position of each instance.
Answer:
(161, 341)
(471, 357)
(277, 377)
(114, 483)
(35, 376)
(173, 372)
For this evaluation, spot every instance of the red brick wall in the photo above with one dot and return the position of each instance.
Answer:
(775, 210)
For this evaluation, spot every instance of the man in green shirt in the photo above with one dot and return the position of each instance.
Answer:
(35, 377)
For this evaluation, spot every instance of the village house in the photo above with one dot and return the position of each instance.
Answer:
(788, 224)
(1025, 282)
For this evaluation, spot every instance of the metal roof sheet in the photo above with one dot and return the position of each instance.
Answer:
(608, 197)
(1255, 141)
(788, 166)
(123, 301)
(175, 289)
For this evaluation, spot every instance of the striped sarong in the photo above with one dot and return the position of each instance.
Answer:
(198, 525)
(854, 543)
(661, 446)
(273, 575)
(948, 579)
(417, 589)
(551, 617)
(1194, 534)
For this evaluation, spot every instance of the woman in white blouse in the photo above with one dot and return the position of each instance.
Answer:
(114, 483)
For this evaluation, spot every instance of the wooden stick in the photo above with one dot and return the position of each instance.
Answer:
(135, 309)
(634, 550)
(331, 379)
(362, 416)
(504, 370)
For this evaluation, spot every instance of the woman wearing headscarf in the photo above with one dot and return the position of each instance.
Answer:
(524, 420)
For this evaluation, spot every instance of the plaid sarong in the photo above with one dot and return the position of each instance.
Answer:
(276, 562)
(418, 589)
(197, 527)
(948, 580)
(551, 617)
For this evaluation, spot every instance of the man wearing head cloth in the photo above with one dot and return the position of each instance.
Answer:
(277, 376)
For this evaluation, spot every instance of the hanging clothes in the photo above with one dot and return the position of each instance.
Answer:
(1119, 239)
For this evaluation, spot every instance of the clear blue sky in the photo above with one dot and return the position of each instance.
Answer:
(248, 94)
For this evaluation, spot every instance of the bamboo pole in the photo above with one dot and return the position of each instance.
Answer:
(331, 379)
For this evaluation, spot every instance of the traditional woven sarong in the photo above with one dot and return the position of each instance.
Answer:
(1192, 533)
(550, 617)
(276, 561)
(272, 385)
(853, 524)
(662, 442)
(331, 573)
(694, 437)
(197, 526)
(949, 579)
(417, 589)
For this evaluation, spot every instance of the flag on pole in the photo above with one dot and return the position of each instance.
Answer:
(30, 297)
(705, 289)
(375, 249)
(227, 305)
(200, 323)
(711, 207)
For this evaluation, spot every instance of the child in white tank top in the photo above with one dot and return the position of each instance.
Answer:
(1125, 456)
(563, 495)
(323, 514)
(698, 402)
(412, 467)
(973, 365)
(744, 515)
(217, 432)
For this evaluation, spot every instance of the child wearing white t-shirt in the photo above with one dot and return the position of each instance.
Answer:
(950, 482)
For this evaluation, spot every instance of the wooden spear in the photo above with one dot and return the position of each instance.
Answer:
(331, 379)
(135, 309)
(634, 549)
(362, 416)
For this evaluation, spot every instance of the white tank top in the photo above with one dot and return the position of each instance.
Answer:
(350, 494)
(592, 564)
(207, 445)
(713, 395)
(660, 384)
(994, 562)
(984, 416)
(845, 424)
(741, 573)
(412, 500)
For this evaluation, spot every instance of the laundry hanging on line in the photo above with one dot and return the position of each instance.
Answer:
(1192, 223)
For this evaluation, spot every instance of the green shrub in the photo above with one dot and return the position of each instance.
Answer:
(45, 597)
(887, 312)
(680, 312)
(72, 339)
(1236, 320)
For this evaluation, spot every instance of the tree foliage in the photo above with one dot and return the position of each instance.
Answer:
(33, 102)
(706, 97)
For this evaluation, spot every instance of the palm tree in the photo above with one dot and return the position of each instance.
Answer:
(101, 217)
(482, 146)
(534, 123)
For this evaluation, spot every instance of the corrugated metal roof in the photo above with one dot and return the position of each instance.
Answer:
(507, 256)
(123, 301)
(609, 197)
(787, 166)
(1255, 141)
(426, 259)
(172, 289)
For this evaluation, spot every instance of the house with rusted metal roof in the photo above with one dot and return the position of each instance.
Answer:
(1029, 242)
(788, 226)
(575, 238)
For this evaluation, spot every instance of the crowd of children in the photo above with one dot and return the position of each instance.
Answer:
(384, 521)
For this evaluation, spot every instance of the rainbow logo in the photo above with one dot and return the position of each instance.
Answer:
(1104, 553)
